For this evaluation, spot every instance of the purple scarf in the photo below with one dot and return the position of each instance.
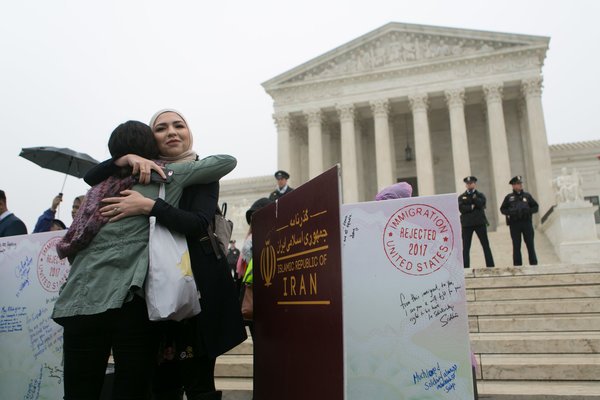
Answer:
(88, 221)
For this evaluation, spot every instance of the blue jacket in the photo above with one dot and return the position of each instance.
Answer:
(44, 222)
(11, 226)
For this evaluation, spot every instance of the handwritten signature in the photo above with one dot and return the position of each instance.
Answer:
(437, 378)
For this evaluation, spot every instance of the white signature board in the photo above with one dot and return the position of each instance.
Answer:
(30, 342)
(405, 315)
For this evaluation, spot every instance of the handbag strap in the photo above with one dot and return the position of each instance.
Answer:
(161, 191)
(212, 238)
(224, 209)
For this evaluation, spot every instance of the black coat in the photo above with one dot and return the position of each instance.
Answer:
(518, 207)
(12, 226)
(275, 194)
(472, 209)
(220, 323)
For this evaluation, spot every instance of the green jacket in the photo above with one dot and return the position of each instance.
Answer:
(113, 266)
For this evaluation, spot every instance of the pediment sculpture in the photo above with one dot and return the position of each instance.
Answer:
(397, 49)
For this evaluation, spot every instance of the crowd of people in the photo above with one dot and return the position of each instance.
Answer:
(102, 306)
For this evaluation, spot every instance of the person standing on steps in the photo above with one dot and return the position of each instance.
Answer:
(471, 205)
(282, 185)
(519, 206)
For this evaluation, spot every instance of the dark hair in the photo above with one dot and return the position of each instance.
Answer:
(257, 205)
(2, 196)
(132, 137)
(59, 223)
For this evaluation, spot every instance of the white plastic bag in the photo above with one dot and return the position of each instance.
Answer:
(171, 292)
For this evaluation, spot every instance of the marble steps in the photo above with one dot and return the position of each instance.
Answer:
(536, 331)
(535, 323)
(538, 390)
(234, 366)
(501, 246)
(234, 371)
(536, 343)
(235, 388)
(537, 367)
(247, 347)
(534, 307)
(531, 276)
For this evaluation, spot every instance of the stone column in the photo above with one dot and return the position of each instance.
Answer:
(538, 143)
(349, 148)
(314, 118)
(383, 144)
(499, 159)
(282, 121)
(423, 157)
(297, 166)
(455, 99)
(522, 115)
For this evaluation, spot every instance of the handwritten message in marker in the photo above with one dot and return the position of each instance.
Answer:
(405, 317)
(30, 276)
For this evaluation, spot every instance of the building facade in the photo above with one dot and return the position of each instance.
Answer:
(429, 105)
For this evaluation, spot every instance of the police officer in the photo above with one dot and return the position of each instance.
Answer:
(518, 207)
(282, 186)
(471, 205)
(232, 258)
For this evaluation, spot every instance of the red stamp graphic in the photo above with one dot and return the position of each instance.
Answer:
(418, 239)
(52, 272)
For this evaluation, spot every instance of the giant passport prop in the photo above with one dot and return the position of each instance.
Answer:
(298, 347)
(30, 342)
(405, 316)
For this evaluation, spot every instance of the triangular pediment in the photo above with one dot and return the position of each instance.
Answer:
(397, 45)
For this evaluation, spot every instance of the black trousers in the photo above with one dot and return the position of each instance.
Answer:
(467, 236)
(194, 376)
(88, 340)
(525, 229)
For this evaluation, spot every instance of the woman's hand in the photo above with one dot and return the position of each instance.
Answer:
(140, 165)
(133, 203)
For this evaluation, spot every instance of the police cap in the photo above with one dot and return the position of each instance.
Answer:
(516, 179)
(470, 179)
(282, 174)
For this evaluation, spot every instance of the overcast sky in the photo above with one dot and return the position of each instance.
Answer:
(70, 71)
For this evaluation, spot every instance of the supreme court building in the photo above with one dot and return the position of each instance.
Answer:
(424, 104)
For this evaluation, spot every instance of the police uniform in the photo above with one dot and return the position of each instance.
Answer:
(278, 193)
(518, 208)
(471, 205)
(232, 258)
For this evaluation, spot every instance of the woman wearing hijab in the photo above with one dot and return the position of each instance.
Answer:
(101, 306)
(189, 348)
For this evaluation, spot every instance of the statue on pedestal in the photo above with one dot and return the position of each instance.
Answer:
(568, 186)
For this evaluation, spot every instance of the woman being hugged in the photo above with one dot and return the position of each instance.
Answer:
(189, 348)
(101, 306)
